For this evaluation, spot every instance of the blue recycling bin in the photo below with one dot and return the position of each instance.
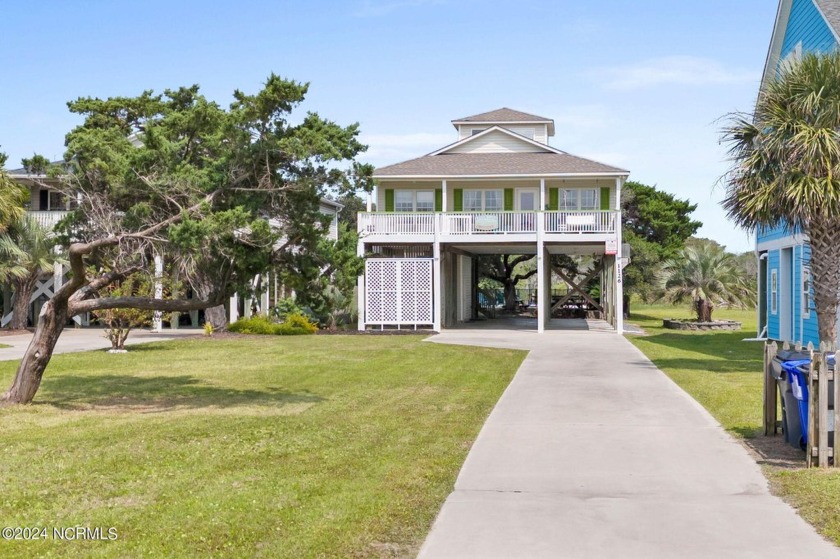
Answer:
(795, 427)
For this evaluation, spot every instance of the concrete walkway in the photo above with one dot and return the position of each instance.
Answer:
(593, 452)
(86, 339)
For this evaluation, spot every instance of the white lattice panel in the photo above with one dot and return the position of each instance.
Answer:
(398, 291)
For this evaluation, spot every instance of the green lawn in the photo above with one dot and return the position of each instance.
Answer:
(4, 346)
(310, 446)
(723, 373)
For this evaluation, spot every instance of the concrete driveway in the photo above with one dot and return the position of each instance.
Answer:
(86, 339)
(593, 452)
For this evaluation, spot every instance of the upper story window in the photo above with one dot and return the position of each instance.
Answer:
(475, 131)
(483, 201)
(414, 200)
(572, 199)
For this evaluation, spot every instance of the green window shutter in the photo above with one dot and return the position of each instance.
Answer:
(605, 198)
(438, 200)
(508, 199)
(459, 199)
(553, 199)
(389, 199)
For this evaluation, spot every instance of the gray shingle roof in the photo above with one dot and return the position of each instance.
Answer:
(831, 9)
(503, 115)
(489, 164)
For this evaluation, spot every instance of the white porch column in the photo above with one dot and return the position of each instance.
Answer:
(444, 197)
(265, 295)
(619, 273)
(369, 202)
(234, 308)
(157, 322)
(542, 296)
(542, 195)
(436, 287)
(360, 289)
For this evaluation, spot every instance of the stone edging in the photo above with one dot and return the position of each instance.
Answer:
(701, 326)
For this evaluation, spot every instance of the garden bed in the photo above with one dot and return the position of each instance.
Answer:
(676, 324)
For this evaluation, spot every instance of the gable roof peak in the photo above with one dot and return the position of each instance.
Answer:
(505, 115)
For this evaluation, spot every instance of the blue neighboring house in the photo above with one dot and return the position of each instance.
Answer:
(785, 295)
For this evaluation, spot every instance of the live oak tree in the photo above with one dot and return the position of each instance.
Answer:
(220, 194)
(786, 170)
(506, 270)
(656, 225)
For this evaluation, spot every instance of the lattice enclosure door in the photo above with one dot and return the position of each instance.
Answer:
(398, 291)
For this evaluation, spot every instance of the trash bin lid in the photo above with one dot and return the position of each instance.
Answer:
(792, 366)
(793, 355)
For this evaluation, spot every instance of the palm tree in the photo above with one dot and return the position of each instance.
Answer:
(786, 169)
(707, 276)
(32, 248)
(12, 198)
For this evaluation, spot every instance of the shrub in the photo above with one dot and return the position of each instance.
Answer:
(295, 324)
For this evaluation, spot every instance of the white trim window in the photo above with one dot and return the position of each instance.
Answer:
(806, 293)
(774, 291)
(483, 200)
(578, 199)
(414, 200)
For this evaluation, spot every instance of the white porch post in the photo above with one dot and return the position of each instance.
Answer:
(360, 289)
(542, 296)
(444, 197)
(436, 286)
(265, 295)
(234, 308)
(369, 202)
(619, 273)
(542, 195)
(157, 322)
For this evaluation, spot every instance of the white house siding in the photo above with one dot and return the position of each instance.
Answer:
(451, 185)
(333, 213)
(584, 183)
(538, 132)
(497, 142)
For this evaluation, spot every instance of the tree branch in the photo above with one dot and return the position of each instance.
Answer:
(177, 305)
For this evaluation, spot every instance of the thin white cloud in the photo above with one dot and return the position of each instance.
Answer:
(674, 70)
(376, 8)
(385, 149)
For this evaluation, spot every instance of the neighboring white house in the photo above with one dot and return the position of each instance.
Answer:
(499, 189)
(48, 206)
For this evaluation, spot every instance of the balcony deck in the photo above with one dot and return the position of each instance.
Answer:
(491, 227)
(47, 219)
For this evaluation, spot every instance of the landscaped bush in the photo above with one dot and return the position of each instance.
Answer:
(295, 324)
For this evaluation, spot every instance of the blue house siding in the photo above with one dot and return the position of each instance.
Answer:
(807, 31)
(810, 328)
(806, 25)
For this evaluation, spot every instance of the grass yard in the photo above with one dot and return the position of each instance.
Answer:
(4, 346)
(308, 446)
(723, 373)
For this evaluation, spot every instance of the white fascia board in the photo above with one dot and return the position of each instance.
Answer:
(784, 242)
(547, 123)
(777, 38)
(514, 135)
(512, 176)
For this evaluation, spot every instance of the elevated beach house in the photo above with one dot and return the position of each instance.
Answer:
(785, 294)
(500, 188)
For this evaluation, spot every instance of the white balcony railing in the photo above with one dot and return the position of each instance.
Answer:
(487, 223)
(48, 219)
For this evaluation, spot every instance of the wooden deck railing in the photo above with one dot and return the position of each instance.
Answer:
(486, 223)
(47, 219)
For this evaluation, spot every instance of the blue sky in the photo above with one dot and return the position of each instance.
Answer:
(640, 85)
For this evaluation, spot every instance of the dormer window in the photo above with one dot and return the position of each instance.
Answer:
(477, 131)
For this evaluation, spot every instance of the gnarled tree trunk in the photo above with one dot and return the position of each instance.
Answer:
(23, 292)
(825, 272)
(51, 323)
